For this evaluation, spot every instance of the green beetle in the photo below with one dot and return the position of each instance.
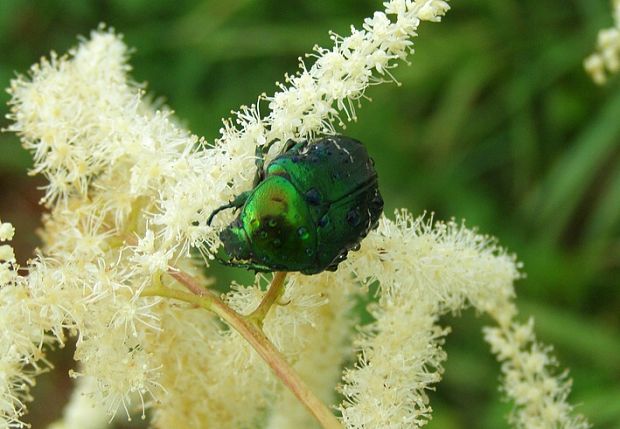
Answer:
(313, 203)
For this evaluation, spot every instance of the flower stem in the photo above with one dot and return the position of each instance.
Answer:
(191, 284)
(276, 288)
(253, 335)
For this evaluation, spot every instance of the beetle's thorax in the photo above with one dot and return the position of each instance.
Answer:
(275, 226)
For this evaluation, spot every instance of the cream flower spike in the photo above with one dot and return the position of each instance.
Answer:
(129, 195)
(606, 60)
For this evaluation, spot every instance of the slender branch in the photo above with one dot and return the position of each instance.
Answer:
(253, 335)
(191, 283)
(275, 291)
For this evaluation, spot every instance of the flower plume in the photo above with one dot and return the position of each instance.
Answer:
(129, 195)
(606, 60)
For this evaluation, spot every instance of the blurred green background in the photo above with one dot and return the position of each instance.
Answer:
(496, 122)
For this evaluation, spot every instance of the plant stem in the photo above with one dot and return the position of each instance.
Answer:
(276, 288)
(253, 335)
(191, 284)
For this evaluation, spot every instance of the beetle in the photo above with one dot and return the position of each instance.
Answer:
(308, 207)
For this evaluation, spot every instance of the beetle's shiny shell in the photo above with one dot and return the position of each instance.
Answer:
(317, 202)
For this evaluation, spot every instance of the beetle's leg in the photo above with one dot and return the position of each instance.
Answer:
(260, 161)
(293, 146)
(259, 268)
(290, 143)
(236, 203)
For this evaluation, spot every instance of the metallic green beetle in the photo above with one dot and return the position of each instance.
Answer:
(313, 203)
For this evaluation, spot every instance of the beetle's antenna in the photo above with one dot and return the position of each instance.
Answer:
(237, 203)
(219, 209)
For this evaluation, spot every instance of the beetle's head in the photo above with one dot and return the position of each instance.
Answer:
(236, 242)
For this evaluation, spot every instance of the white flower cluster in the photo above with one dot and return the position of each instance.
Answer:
(34, 312)
(539, 395)
(314, 99)
(7, 256)
(83, 411)
(424, 271)
(107, 156)
(606, 59)
(129, 194)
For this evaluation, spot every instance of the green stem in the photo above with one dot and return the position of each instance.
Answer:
(275, 291)
(253, 335)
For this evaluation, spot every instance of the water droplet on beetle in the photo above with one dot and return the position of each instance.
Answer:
(313, 196)
(309, 252)
(377, 201)
(272, 223)
(302, 233)
(353, 217)
(263, 234)
(356, 247)
(277, 242)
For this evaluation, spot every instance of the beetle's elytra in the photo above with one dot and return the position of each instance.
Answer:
(312, 204)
